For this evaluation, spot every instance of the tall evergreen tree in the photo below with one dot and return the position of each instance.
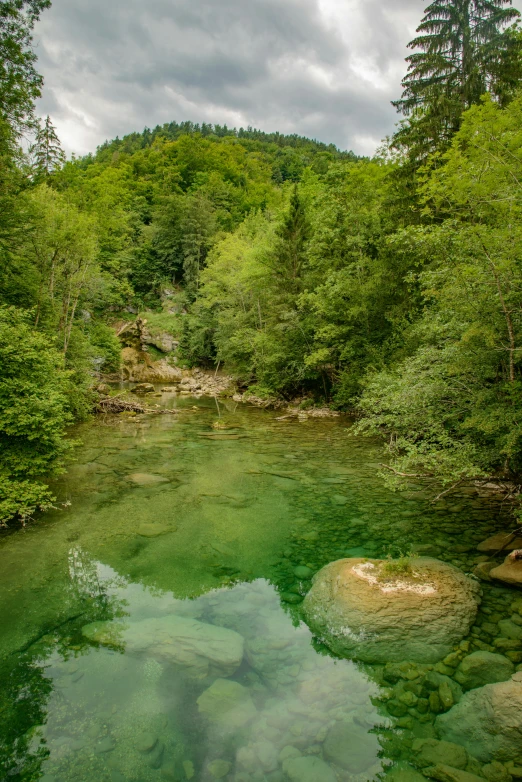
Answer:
(465, 51)
(47, 152)
(290, 249)
(20, 84)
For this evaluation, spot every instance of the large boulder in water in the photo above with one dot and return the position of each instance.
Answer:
(365, 609)
(487, 721)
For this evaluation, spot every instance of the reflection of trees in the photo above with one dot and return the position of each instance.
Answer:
(24, 686)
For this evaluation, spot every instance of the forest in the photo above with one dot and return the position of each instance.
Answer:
(389, 288)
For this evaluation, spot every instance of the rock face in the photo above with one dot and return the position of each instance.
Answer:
(487, 721)
(138, 366)
(360, 612)
(510, 572)
(201, 649)
(482, 668)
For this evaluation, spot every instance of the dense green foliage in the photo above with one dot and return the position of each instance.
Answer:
(33, 415)
(390, 287)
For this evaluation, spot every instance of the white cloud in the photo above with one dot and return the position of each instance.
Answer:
(323, 68)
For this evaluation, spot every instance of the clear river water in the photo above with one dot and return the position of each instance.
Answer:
(121, 614)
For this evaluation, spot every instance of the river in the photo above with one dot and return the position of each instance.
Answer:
(175, 544)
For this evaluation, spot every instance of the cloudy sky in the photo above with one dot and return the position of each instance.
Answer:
(321, 68)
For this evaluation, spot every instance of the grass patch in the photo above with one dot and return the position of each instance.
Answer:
(159, 322)
(393, 568)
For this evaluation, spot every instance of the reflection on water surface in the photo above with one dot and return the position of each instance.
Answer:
(151, 631)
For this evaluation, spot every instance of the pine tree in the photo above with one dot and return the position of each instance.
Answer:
(293, 236)
(46, 152)
(465, 51)
(20, 84)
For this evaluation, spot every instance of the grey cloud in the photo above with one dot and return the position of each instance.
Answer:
(326, 68)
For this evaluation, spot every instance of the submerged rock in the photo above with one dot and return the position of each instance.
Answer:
(308, 769)
(143, 388)
(487, 721)
(227, 704)
(482, 668)
(444, 773)
(351, 747)
(510, 571)
(403, 772)
(146, 479)
(360, 611)
(430, 752)
(502, 541)
(201, 649)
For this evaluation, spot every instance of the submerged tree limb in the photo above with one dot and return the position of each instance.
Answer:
(116, 404)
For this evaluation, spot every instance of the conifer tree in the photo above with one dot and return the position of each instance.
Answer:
(465, 51)
(20, 84)
(47, 151)
(290, 248)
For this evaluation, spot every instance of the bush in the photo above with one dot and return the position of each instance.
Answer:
(107, 347)
(34, 414)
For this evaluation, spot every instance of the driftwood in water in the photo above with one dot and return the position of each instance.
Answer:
(116, 404)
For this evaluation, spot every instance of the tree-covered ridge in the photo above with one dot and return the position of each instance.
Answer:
(172, 131)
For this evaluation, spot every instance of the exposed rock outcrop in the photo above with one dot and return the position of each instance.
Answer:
(360, 611)
(139, 367)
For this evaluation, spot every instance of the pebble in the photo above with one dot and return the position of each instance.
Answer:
(106, 745)
(303, 572)
(219, 768)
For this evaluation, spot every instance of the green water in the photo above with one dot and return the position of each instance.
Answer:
(176, 529)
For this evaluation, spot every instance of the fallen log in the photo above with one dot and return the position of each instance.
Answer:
(116, 404)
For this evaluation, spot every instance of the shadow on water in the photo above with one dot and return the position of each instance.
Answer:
(152, 630)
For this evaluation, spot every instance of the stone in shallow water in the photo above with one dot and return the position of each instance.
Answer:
(105, 745)
(487, 721)
(153, 530)
(482, 668)
(361, 612)
(403, 772)
(199, 648)
(145, 742)
(146, 479)
(219, 768)
(509, 629)
(301, 571)
(291, 597)
(502, 541)
(351, 747)
(444, 773)
(308, 769)
(429, 752)
(510, 572)
(227, 704)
